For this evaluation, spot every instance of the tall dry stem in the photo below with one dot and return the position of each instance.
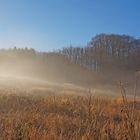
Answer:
(135, 88)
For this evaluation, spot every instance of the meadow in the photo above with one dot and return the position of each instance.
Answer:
(68, 117)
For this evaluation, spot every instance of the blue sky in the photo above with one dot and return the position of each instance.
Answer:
(52, 24)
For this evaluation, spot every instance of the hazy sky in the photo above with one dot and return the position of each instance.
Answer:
(52, 24)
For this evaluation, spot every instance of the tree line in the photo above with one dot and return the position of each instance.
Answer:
(107, 52)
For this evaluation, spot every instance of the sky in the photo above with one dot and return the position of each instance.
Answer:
(48, 25)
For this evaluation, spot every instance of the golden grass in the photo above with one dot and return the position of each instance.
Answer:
(68, 118)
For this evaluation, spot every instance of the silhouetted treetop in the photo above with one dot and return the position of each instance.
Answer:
(107, 51)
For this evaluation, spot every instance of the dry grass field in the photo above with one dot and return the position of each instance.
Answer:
(68, 117)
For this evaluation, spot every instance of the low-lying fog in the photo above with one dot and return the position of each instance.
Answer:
(55, 75)
(28, 85)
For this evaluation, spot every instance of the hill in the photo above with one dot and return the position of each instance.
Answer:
(105, 61)
(51, 67)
